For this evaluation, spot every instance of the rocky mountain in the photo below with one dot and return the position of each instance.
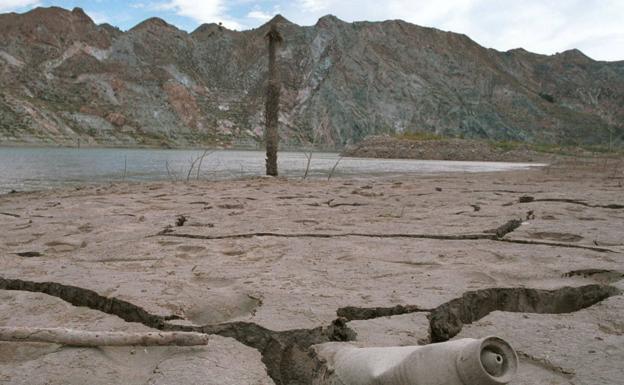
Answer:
(64, 80)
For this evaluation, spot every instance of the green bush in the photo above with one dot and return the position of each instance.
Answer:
(547, 97)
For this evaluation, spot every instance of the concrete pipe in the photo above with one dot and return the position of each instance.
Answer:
(487, 361)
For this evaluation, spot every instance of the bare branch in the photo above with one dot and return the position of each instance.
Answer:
(309, 156)
(331, 173)
(123, 177)
(170, 173)
(73, 337)
(201, 159)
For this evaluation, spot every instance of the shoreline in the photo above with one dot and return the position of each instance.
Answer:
(384, 147)
(47, 168)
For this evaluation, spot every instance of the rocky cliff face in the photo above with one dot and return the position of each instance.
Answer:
(64, 79)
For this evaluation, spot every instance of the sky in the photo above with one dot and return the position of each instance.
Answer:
(596, 27)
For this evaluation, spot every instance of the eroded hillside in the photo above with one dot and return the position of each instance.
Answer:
(66, 80)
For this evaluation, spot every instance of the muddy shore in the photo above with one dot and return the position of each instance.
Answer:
(390, 147)
(271, 267)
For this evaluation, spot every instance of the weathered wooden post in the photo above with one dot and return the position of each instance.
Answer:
(271, 135)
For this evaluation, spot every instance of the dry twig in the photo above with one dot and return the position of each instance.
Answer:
(74, 337)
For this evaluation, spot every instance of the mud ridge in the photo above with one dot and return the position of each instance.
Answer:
(506, 228)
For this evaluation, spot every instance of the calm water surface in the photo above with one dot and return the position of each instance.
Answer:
(26, 169)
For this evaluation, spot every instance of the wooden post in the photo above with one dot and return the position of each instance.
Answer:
(271, 134)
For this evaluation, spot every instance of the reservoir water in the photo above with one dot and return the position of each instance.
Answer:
(28, 169)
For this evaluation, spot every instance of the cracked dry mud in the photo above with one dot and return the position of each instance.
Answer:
(270, 268)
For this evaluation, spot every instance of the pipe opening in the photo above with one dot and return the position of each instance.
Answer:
(498, 358)
(493, 362)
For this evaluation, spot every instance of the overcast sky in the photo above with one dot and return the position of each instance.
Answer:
(596, 27)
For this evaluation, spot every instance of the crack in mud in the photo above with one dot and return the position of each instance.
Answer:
(331, 204)
(29, 254)
(555, 244)
(287, 354)
(79, 296)
(600, 275)
(331, 235)
(11, 215)
(448, 319)
(529, 199)
(546, 365)
(354, 313)
(497, 234)
(494, 234)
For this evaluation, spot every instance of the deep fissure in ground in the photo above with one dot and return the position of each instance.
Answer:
(287, 354)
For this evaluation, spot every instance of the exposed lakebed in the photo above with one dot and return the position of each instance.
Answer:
(270, 268)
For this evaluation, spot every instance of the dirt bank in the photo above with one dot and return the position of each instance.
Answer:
(385, 146)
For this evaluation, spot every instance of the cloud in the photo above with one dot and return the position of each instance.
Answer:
(98, 17)
(204, 11)
(547, 27)
(14, 5)
(316, 5)
(259, 15)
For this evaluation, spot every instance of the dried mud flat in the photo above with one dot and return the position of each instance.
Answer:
(273, 267)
